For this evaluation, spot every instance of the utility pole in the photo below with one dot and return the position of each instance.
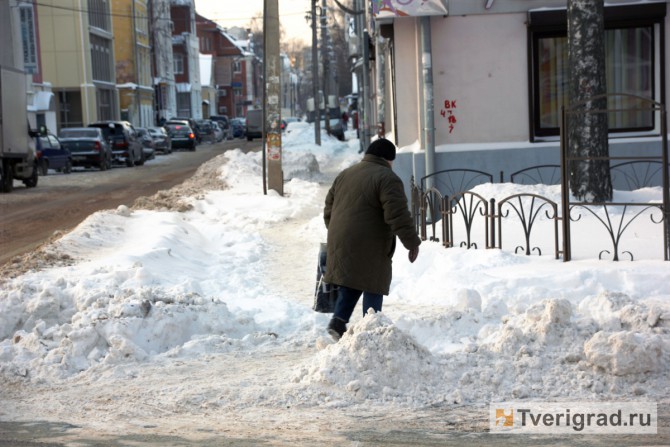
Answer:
(315, 78)
(364, 78)
(272, 106)
(326, 67)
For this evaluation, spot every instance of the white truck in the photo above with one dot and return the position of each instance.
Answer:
(17, 149)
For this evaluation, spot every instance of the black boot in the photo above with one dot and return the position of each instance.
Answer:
(336, 328)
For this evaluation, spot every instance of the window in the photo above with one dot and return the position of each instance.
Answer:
(178, 63)
(98, 14)
(101, 58)
(237, 67)
(632, 64)
(70, 110)
(183, 104)
(105, 104)
(28, 38)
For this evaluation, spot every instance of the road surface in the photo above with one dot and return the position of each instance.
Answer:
(30, 216)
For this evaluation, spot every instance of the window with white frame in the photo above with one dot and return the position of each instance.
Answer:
(633, 60)
(237, 66)
(178, 63)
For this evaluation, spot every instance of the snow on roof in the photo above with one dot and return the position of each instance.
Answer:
(181, 3)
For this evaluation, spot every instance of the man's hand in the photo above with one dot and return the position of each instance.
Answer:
(413, 253)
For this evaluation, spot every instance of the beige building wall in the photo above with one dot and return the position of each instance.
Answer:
(480, 83)
(407, 81)
(472, 105)
(65, 53)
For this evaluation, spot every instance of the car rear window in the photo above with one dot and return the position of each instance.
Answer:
(79, 145)
(115, 132)
(179, 130)
(78, 133)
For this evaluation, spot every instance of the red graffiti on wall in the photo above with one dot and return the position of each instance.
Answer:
(448, 113)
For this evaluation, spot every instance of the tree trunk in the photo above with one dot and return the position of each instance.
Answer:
(587, 131)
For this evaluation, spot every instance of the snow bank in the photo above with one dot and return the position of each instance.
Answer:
(148, 287)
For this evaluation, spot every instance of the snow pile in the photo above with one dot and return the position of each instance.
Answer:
(225, 276)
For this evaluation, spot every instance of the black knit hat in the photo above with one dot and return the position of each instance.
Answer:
(382, 148)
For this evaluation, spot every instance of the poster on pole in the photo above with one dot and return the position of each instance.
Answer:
(408, 8)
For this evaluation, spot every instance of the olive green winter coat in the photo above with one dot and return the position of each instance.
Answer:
(366, 208)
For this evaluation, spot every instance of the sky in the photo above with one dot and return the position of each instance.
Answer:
(190, 314)
(231, 13)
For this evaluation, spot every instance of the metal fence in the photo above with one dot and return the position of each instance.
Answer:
(443, 200)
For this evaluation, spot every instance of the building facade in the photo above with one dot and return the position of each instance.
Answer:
(499, 79)
(237, 71)
(77, 55)
(165, 90)
(186, 55)
(40, 100)
(132, 51)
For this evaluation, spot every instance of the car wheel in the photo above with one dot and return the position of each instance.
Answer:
(31, 182)
(249, 138)
(7, 176)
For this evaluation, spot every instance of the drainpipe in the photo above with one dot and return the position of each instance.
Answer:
(428, 105)
(365, 118)
(136, 64)
(83, 64)
(380, 65)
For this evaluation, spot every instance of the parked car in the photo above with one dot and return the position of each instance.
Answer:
(51, 154)
(219, 133)
(288, 120)
(224, 122)
(122, 136)
(88, 147)
(161, 139)
(206, 130)
(254, 124)
(182, 136)
(190, 122)
(148, 145)
(238, 128)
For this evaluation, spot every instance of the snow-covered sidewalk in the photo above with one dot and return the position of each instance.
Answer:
(198, 323)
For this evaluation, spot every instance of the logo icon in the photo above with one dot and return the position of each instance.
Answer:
(504, 420)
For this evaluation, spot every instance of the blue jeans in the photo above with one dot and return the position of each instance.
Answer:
(347, 299)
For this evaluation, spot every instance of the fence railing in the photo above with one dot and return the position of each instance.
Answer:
(444, 200)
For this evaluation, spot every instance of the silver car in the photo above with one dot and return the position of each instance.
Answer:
(162, 141)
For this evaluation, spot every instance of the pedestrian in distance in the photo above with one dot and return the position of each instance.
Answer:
(365, 209)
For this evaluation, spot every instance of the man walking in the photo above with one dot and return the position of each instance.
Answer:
(366, 208)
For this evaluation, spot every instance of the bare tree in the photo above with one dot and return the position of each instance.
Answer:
(587, 132)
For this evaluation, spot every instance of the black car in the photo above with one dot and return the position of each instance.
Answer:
(190, 122)
(87, 146)
(182, 136)
(238, 127)
(126, 146)
(205, 129)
